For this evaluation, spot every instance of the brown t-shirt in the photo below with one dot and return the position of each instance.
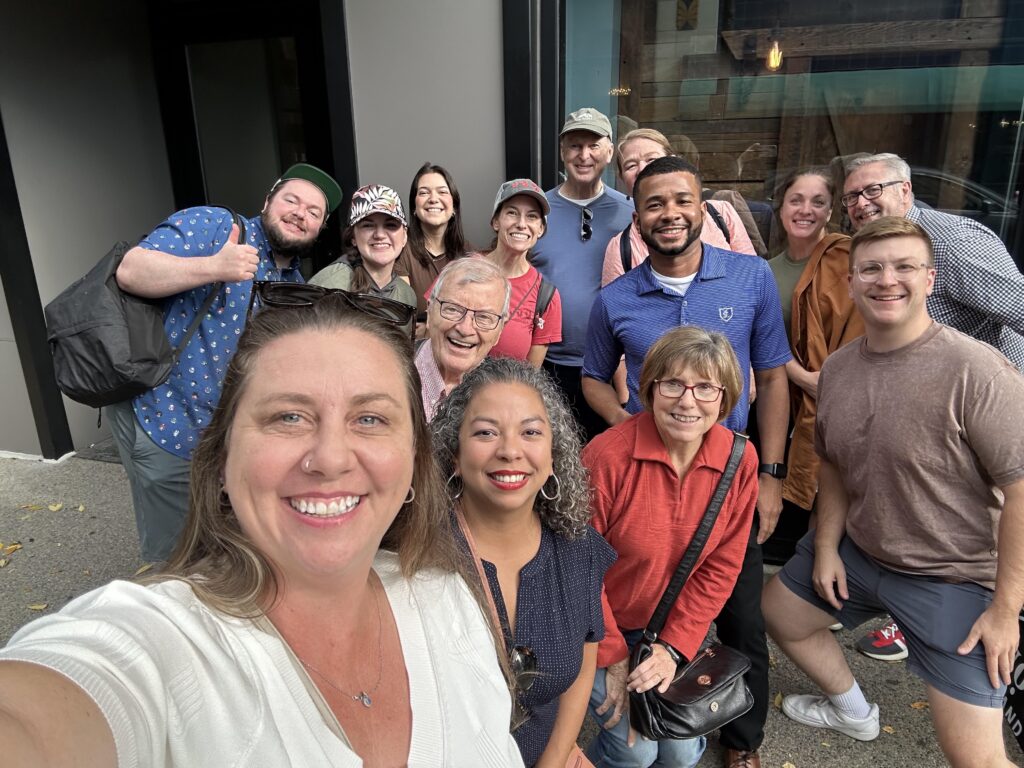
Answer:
(420, 277)
(922, 437)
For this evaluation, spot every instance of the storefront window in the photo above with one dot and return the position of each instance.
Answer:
(938, 82)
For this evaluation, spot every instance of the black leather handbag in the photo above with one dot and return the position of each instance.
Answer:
(709, 691)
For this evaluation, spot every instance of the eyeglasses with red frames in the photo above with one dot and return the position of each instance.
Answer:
(704, 392)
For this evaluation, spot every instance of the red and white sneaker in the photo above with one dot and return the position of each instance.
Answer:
(885, 644)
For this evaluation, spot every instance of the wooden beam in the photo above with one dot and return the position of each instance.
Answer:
(888, 37)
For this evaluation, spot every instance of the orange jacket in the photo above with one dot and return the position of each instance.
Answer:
(824, 319)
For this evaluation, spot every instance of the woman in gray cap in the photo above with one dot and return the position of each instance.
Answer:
(519, 220)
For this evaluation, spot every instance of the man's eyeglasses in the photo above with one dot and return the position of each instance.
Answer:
(586, 231)
(870, 192)
(523, 662)
(484, 321)
(279, 294)
(704, 392)
(872, 271)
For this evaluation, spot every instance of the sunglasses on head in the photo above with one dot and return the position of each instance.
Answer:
(278, 294)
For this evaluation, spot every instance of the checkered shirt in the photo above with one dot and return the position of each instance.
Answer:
(978, 288)
(431, 383)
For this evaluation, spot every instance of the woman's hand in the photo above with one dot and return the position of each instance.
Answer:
(617, 698)
(658, 669)
(806, 380)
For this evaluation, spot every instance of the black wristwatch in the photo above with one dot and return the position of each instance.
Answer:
(672, 652)
(778, 471)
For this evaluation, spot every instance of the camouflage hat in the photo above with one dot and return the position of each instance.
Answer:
(376, 198)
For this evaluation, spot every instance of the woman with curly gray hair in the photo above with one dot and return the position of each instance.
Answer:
(507, 442)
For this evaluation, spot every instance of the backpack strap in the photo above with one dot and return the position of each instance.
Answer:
(717, 218)
(626, 249)
(544, 295)
(214, 291)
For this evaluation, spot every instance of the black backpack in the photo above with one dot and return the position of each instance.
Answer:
(109, 345)
(626, 247)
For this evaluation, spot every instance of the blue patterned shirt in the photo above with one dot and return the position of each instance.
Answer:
(978, 289)
(175, 413)
(732, 293)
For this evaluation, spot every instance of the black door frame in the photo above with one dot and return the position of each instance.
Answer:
(26, 311)
(533, 47)
(321, 40)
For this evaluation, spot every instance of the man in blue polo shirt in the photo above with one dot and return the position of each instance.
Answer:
(685, 282)
(585, 214)
(181, 261)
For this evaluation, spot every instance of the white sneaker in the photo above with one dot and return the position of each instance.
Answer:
(818, 712)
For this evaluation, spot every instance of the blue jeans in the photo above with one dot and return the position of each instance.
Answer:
(609, 747)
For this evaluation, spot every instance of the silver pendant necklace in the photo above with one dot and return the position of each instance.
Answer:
(363, 697)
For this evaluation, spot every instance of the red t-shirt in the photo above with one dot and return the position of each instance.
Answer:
(649, 514)
(523, 329)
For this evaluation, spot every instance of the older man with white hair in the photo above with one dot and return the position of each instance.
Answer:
(466, 313)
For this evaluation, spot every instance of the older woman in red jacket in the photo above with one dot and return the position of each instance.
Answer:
(653, 476)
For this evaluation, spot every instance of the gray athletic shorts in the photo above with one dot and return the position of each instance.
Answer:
(934, 616)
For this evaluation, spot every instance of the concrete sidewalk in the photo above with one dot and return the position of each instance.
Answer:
(76, 529)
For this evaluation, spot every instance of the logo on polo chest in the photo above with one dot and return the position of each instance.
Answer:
(725, 313)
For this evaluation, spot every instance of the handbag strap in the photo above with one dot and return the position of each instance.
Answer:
(214, 291)
(700, 538)
(464, 526)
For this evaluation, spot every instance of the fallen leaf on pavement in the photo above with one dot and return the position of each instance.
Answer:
(919, 705)
(55, 507)
(3, 562)
(888, 729)
(825, 744)
(143, 569)
(81, 507)
(788, 764)
(31, 507)
(38, 606)
(11, 548)
(778, 701)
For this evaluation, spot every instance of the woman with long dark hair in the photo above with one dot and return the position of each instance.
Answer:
(435, 230)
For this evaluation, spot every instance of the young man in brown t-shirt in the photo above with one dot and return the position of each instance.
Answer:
(921, 479)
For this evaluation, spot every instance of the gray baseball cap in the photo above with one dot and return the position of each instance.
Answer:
(587, 119)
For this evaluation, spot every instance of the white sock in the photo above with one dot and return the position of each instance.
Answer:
(852, 703)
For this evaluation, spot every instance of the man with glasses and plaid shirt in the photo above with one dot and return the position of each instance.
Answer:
(585, 214)
(181, 262)
(920, 509)
(978, 289)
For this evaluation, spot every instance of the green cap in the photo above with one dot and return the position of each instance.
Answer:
(319, 179)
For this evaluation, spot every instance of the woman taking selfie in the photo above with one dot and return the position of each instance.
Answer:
(508, 442)
(653, 476)
(281, 634)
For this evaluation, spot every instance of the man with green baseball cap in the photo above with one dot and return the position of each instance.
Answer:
(194, 253)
